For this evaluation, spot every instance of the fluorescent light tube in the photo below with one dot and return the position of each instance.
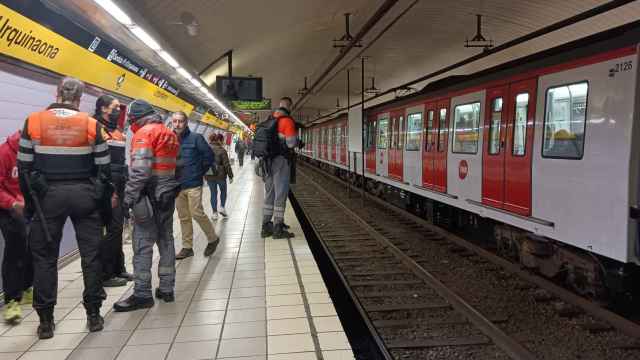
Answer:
(145, 38)
(169, 59)
(185, 74)
(115, 11)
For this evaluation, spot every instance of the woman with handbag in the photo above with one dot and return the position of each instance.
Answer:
(216, 177)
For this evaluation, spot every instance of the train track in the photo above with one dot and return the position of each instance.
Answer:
(417, 303)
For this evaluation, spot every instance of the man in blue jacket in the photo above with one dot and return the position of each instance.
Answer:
(194, 160)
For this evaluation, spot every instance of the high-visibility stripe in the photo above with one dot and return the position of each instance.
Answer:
(117, 143)
(158, 172)
(26, 143)
(103, 160)
(63, 150)
(143, 152)
(141, 163)
(101, 147)
(164, 160)
(25, 157)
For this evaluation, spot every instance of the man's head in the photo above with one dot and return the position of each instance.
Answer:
(138, 112)
(108, 110)
(179, 121)
(69, 91)
(286, 103)
(281, 111)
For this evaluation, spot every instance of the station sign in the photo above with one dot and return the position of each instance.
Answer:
(244, 105)
(214, 121)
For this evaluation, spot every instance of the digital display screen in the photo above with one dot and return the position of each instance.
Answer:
(239, 88)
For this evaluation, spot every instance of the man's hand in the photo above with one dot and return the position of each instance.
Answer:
(114, 201)
(18, 208)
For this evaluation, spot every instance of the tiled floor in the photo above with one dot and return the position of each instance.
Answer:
(252, 300)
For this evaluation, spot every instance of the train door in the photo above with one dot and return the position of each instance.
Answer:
(429, 149)
(396, 134)
(507, 151)
(442, 142)
(370, 148)
(343, 145)
(334, 143)
(412, 156)
(382, 144)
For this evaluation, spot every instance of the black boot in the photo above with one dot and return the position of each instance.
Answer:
(132, 303)
(280, 232)
(95, 322)
(168, 297)
(211, 247)
(267, 229)
(46, 327)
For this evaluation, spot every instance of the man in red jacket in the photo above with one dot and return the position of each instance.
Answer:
(17, 270)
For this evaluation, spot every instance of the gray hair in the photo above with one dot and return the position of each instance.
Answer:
(180, 113)
(70, 90)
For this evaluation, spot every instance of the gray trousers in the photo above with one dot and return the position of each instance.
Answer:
(145, 235)
(276, 189)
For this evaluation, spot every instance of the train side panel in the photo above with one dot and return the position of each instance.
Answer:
(412, 159)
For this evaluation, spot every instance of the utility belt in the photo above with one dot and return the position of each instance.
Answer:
(163, 200)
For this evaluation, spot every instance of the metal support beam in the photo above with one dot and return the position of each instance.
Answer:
(228, 55)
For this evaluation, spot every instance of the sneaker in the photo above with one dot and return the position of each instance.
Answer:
(27, 297)
(267, 229)
(280, 232)
(223, 212)
(95, 322)
(12, 312)
(114, 282)
(211, 247)
(167, 297)
(133, 303)
(184, 253)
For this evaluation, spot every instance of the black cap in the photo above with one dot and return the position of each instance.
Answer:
(283, 110)
(139, 109)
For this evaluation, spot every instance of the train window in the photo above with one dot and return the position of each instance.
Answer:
(465, 128)
(564, 121)
(414, 128)
(494, 130)
(520, 124)
(429, 129)
(442, 131)
(383, 133)
(400, 143)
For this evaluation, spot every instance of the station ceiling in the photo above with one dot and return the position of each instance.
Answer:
(283, 41)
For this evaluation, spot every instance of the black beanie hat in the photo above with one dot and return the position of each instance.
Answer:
(139, 109)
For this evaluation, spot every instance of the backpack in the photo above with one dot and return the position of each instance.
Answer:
(265, 141)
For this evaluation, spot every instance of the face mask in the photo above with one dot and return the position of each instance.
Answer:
(113, 119)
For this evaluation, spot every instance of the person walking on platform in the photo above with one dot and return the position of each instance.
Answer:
(150, 195)
(195, 159)
(277, 169)
(64, 172)
(241, 148)
(217, 177)
(114, 272)
(17, 270)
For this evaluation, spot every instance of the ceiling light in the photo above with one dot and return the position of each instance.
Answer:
(195, 81)
(145, 38)
(115, 11)
(185, 74)
(169, 59)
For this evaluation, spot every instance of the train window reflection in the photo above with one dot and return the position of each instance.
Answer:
(442, 131)
(495, 126)
(383, 133)
(414, 127)
(401, 130)
(429, 129)
(564, 122)
(520, 124)
(465, 128)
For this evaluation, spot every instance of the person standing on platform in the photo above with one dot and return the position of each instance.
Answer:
(17, 270)
(241, 148)
(150, 195)
(64, 172)
(113, 268)
(217, 177)
(277, 176)
(195, 159)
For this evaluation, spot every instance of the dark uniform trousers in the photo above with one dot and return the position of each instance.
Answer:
(111, 254)
(74, 199)
(17, 269)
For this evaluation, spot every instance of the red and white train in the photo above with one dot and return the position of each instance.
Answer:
(541, 151)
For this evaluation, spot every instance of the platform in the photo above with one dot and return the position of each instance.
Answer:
(252, 300)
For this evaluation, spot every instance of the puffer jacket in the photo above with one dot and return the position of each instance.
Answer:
(222, 164)
(9, 185)
(194, 160)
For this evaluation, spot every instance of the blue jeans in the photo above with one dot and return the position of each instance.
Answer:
(213, 186)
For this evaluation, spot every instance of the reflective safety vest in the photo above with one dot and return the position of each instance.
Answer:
(65, 144)
(154, 150)
(116, 142)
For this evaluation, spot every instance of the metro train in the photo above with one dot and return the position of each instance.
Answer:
(539, 154)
